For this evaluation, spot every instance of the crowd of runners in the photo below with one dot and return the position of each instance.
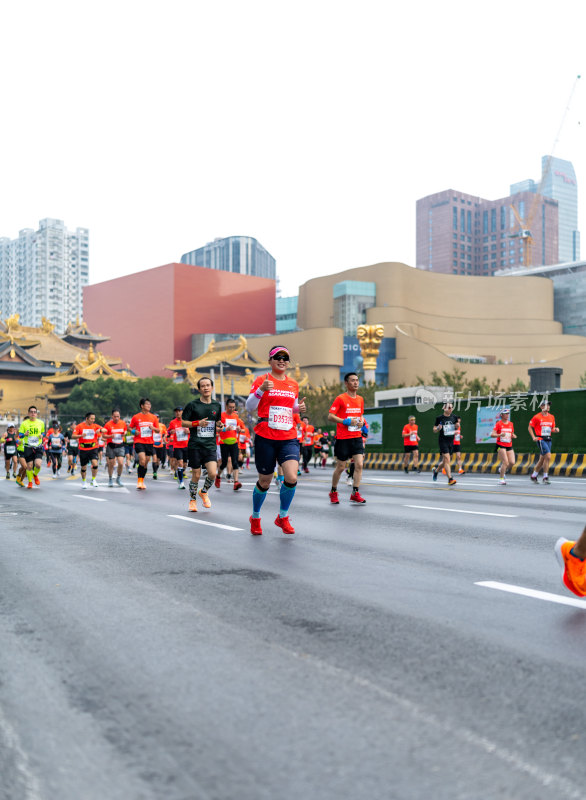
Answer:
(212, 445)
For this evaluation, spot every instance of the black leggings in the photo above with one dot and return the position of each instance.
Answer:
(229, 451)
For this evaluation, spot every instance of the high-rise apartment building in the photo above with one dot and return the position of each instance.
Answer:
(43, 272)
(558, 181)
(241, 254)
(463, 234)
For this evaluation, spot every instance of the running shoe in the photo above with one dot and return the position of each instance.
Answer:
(503, 482)
(7, 476)
(452, 481)
(406, 470)
(255, 527)
(36, 480)
(306, 470)
(84, 484)
(110, 482)
(193, 504)
(118, 481)
(94, 482)
(546, 480)
(140, 484)
(573, 570)
(217, 482)
(349, 481)
(154, 476)
(334, 499)
(534, 479)
(356, 497)
(19, 481)
(181, 485)
(434, 475)
(207, 503)
(237, 485)
(284, 524)
(30, 485)
(461, 472)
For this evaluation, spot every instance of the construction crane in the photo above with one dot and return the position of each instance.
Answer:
(524, 232)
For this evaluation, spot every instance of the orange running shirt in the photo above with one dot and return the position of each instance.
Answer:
(159, 436)
(178, 433)
(410, 434)
(504, 433)
(88, 435)
(144, 424)
(275, 408)
(345, 406)
(233, 423)
(543, 425)
(116, 431)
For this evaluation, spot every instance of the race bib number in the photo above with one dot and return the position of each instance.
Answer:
(230, 424)
(10, 449)
(413, 437)
(73, 443)
(117, 438)
(146, 431)
(181, 434)
(33, 441)
(546, 430)
(208, 430)
(506, 437)
(157, 438)
(280, 418)
(88, 434)
(129, 439)
(449, 429)
(242, 437)
(55, 441)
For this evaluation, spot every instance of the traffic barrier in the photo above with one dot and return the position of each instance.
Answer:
(565, 464)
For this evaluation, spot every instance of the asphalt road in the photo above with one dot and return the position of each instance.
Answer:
(419, 646)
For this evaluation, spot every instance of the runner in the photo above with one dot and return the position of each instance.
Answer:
(114, 431)
(87, 434)
(142, 426)
(128, 448)
(458, 436)
(72, 449)
(31, 432)
(347, 412)
(243, 439)
(571, 557)
(325, 448)
(541, 427)
(229, 435)
(20, 458)
(504, 431)
(203, 417)
(178, 436)
(445, 425)
(275, 397)
(10, 443)
(352, 465)
(411, 441)
(307, 443)
(317, 447)
(159, 448)
(56, 445)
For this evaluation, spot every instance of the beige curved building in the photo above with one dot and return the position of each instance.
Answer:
(440, 321)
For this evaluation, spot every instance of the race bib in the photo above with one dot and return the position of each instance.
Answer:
(506, 437)
(10, 449)
(230, 424)
(33, 441)
(129, 439)
(181, 434)
(413, 437)
(280, 418)
(55, 441)
(449, 429)
(88, 434)
(157, 438)
(146, 431)
(546, 430)
(207, 431)
(117, 438)
(242, 437)
(73, 443)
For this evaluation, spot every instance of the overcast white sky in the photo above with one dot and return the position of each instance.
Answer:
(312, 126)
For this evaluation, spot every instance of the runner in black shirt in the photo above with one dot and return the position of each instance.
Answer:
(445, 425)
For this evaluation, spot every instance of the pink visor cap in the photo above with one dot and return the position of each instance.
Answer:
(276, 350)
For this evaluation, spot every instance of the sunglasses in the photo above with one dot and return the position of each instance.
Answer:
(281, 357)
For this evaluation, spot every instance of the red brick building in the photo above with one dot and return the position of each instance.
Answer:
(150, 316)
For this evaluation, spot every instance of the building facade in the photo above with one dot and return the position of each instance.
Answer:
(558, 181)
(43, 272)
(241, 254)
(286, 314)
(462, 234)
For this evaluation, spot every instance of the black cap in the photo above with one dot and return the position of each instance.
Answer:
(178, 408)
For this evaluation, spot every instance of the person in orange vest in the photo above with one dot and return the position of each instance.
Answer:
(411, 441)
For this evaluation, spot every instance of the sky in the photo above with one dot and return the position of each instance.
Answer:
(313, 126)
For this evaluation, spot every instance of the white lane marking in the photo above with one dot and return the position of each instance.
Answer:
(466, 482)
(11, 742)
(462, 511)
(203, 522)
(552, 598)
(95, 499)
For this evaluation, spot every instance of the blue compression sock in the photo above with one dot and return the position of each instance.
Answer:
(286, 494)
(258, 498)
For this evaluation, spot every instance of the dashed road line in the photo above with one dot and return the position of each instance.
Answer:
(461, 511)
(203, 522)
(534, 593)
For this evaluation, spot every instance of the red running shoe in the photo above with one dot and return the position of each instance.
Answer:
(284, 524)
(217, 482)
(36, 479)
(255, 528)
(334, 499)
(237, 485)
(356, 497)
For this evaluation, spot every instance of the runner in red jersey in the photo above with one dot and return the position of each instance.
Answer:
(142, 426)
(541, 427)
(88, 435)
(229, 437)
(307, 443)
(347, 411)
(115, 430)
(275, 397)
(178, 439)
(159, 447)
(504, 431)
(411, 441)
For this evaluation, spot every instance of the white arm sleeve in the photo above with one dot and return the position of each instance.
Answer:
(252, 402)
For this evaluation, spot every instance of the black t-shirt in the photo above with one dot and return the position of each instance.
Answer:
(448, 429)
(196, 410)
(11, 442)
